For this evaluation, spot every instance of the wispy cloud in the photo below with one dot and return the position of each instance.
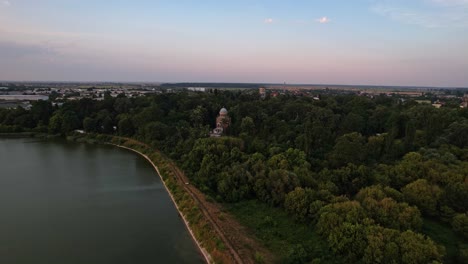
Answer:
(268, 21)
(6, 3)
(323, 20)
(433, 13)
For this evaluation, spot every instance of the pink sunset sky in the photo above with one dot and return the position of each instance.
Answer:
(420, 43)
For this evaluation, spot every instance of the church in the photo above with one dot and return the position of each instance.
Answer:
(222, 123)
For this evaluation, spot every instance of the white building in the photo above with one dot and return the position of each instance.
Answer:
(197, 89)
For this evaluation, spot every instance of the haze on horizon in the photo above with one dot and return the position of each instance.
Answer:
(381, 42)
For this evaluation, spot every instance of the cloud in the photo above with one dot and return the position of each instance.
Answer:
(268, 21)
(6, 3)
(323, 20)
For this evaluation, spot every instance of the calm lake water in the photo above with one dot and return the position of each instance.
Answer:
(75, 203)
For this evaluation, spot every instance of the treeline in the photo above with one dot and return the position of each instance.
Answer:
(212, 85)
(364, 173)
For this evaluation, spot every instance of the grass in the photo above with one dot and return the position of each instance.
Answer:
(442, 234)
(292, 242)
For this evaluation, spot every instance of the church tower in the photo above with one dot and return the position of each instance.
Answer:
(223, 121)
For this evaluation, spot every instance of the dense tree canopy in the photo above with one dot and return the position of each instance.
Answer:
(363, 172)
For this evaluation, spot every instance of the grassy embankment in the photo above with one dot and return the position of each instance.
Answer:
(200, 226)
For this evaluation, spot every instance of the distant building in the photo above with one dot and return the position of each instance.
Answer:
(197, 89)
(223, 121)
(409, 94)
(465, 101)
(423, 101)
(262, 92)
(438, 104)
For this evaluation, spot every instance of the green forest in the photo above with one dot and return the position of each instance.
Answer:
(343, 179)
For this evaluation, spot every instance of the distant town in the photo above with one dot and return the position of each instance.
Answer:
(21, 94)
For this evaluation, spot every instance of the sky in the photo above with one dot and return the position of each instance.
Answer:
(368, 42)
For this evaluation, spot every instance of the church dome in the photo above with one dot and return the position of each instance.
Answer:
(223, 111)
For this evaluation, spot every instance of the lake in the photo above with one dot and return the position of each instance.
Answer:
(64, 202)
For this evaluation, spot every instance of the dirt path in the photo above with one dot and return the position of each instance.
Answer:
(207, 211)
(241, 245)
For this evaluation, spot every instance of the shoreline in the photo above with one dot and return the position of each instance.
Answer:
(202, 250)
(210, 234)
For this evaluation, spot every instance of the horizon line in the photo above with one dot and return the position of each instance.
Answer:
(250, 83)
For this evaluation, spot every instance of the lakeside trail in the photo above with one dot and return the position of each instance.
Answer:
(236, 237)
(242, 247)
(203, 251)
(199, 197)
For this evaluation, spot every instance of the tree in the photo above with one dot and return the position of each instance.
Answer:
(125, 127)
(388, 212)
(25, 120)
(107, 125)
(198, 116)
(410, 135)
(298, 203)
(349, 179)
(155, 131)
(352, 123)
(273, 187)
(105, 121)
(460, 224)
(90, 125)
(147, 115)
(381, 246)
(349, 148)
(456, 195)
(424, 195)
(335, 214)
(456, 133)
(375, 148)
(348, 240)
(42, 111)
(235, 184)
(122, 105)
(390, 246)
(55, 123)
(70, 122)
(376, 123)
(318, 131)
(248, 125)
(415, 248)
(408, 170)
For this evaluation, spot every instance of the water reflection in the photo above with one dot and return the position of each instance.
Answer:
(76, 203)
